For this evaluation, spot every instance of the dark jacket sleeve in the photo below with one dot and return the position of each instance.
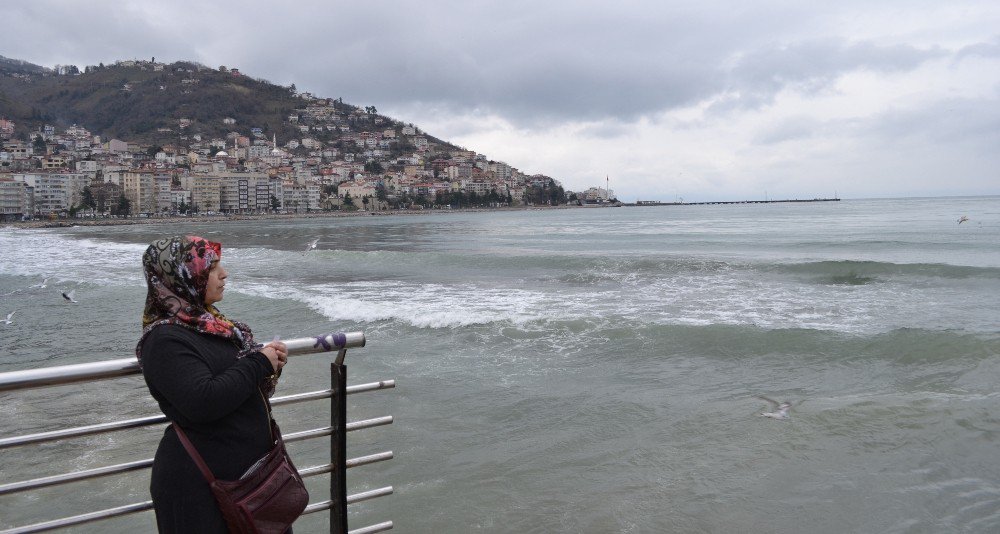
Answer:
(174, 368)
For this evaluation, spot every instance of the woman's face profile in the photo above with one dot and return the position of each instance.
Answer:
(216, 283)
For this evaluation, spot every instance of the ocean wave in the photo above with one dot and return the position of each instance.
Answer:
(917, 348)
(852, 272)
(903, 346)
(693, 299)
(418, 305)
(45, 254)
(451, 289)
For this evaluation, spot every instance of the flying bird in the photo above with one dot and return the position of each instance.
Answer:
(780, 409)
(69, 296)
(962, 219)
(8, 319)
(43, 284)
(312, 244)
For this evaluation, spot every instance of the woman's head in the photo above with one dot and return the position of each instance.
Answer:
(216, 284)
(183, 277)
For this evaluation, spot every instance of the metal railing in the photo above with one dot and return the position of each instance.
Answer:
(337, 432)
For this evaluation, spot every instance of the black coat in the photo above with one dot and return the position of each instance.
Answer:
(215, 397)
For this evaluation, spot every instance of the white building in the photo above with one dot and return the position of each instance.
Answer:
(246, 192)
(15, 199)
(51, 191)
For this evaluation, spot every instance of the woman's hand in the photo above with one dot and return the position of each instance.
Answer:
(277, 354)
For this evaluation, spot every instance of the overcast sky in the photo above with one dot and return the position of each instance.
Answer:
(695, 100)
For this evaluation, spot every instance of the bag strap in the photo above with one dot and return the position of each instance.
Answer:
(205, 471)
(200, 462)
(193, 452)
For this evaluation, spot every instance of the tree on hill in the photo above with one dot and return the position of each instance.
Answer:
(88, 200)
(123, 208)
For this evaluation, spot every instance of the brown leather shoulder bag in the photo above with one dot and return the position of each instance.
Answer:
(269, 496)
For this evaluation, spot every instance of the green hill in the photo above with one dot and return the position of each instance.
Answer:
(144, 101)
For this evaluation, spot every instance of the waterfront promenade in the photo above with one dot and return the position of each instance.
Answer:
(116, 221)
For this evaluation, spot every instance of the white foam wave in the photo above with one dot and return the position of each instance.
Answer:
(680, 300)
(419, 305)
(413, 287)
(41, 254)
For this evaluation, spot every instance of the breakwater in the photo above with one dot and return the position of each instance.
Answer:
(658, 203)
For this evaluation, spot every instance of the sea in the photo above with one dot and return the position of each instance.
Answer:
(586, 370)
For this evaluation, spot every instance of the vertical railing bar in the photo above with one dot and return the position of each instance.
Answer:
(338, 446)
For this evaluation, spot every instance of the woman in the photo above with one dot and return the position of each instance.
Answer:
(208, 376)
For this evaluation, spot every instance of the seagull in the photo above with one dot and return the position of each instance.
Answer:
(780, 409)
(42, 285)
(69, 296)
(9, 315)
(312, 244)
(962, 219)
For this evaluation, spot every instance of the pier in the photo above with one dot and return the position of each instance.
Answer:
(658, 203)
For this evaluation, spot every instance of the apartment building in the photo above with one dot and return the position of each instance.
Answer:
(15, 199)
(205, 193)
(298, 198)
(247, 192)
(51, 192)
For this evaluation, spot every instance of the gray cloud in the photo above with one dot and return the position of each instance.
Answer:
(788, 130)
(983, 50)
(533, 63)
(812, 67)
(638, 72)
(529, 62)
(955, 121)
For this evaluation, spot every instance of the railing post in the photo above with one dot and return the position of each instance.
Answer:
(338, 448)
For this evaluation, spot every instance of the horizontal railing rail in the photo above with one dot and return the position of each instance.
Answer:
(86, 372)
(101, 428)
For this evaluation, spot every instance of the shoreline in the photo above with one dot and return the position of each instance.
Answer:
(69, 223)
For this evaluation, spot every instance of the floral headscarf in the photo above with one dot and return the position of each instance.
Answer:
(176, 270)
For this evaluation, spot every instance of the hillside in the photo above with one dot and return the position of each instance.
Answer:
(144, 101)
(21, 67)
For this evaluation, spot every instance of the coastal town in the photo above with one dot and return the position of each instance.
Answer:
(343, 158)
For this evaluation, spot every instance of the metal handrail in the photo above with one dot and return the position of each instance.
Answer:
(101, 428)
(70, 374)
(82, 518)
(76, 476)
(372, 529)
(35, 483)
(86, 372)
(148, 505)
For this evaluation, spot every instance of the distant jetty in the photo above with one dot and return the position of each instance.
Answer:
(658, 203)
